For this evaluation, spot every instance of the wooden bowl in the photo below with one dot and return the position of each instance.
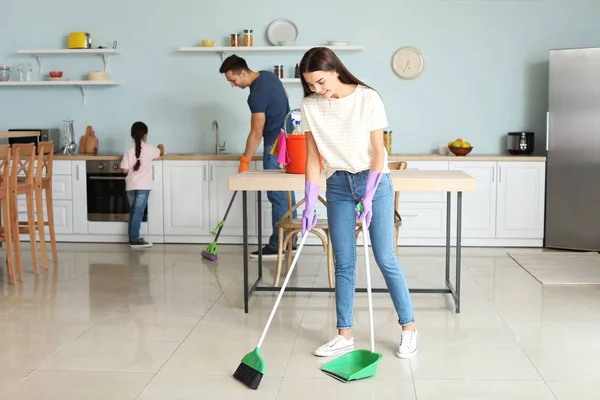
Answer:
(460, 151)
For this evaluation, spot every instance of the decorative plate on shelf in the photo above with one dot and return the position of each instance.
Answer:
(57, 79)
(282, 30)
(338, 42)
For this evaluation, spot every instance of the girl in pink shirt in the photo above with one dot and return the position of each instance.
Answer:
(137, 164)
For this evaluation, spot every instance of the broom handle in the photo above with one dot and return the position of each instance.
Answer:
(368, 268)
(226, 213)
(285, 282)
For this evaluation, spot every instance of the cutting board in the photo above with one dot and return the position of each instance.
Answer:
(89, 142)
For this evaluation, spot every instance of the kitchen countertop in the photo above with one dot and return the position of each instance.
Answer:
(391, 157)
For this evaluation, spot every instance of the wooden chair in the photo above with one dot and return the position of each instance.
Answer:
(43, 183)
(290, 228)
(22, 163)
(398, 166)
(5, 230)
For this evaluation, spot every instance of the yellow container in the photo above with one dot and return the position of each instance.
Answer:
(79, 40)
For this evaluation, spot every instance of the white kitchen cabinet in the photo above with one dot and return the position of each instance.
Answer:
(479, 207)
(420, 197)
(79, 190)
(155, 201)
(422, 221)
(63, 217)
(521, 194)
(220, 196)
(186, 198)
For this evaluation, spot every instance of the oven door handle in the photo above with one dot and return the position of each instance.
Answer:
(106, 178)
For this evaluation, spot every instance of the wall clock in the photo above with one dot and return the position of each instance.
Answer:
(407, 62)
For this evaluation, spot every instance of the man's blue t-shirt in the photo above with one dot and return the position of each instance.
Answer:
(267, 95)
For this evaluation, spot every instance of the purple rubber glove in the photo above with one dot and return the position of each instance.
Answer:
(367, 199)
(309, 216)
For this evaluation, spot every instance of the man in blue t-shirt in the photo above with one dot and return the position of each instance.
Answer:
(269, 105)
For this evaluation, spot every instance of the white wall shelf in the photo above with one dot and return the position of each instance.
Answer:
(290, 80)
(246, 49)
(81, 84)
(104, 53)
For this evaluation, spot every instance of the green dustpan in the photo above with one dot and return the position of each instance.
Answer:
(358, 364)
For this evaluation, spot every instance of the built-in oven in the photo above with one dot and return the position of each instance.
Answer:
(106, 194)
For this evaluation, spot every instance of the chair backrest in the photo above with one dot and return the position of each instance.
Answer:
(5, 154)
(45, 160)
(23, 156)
(398, 166)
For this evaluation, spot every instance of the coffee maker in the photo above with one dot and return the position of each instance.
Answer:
(520, 143)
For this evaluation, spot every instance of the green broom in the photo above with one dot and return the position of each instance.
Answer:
(252, 368)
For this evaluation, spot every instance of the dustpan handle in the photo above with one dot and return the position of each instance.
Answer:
(285, 282)
(370, 297)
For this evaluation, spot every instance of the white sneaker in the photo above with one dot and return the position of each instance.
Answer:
(335, 346)
(409, 344)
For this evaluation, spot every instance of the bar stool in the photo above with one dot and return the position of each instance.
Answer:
(43, 183)
(22, 162)
(5, 231)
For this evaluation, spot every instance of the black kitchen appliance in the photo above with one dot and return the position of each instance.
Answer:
(519, 143)
(106, 195)
(45, 135)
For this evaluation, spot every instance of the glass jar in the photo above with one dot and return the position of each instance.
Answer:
(281, 72)
(234, 40)
(248, 37)
(387, 141)
(276, 70)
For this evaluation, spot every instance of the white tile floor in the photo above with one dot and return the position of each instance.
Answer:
(165, 324)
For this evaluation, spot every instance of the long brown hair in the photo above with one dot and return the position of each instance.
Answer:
(324, 59)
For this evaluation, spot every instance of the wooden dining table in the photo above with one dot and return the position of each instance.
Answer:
(403, 181)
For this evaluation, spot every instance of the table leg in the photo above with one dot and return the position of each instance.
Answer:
(448, 223)
(458, 248)
(245, 233)
(259, 222)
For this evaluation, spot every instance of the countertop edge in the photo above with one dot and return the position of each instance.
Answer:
(259, 157)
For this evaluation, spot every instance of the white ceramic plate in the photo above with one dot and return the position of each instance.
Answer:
(282, 30)
(338, 42)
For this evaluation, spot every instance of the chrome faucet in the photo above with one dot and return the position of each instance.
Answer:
(218, 147)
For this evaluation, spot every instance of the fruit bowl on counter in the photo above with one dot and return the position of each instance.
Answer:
(459, 147)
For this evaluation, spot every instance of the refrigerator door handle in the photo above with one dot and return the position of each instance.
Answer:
(547, 130)
(493, 174)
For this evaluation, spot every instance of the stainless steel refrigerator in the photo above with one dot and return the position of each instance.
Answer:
(573, 144)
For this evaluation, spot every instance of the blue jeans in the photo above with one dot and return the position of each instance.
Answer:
(344, 191)
(138, 200)
(278, 200)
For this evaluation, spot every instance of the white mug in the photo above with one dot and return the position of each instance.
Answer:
(443, 150)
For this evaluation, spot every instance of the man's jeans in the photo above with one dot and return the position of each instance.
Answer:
(278, 200)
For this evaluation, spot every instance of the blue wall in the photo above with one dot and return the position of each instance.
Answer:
(485, 72)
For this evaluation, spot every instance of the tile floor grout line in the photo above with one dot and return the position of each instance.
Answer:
(492, 303)
(297, 333)
(184, 339)
(412, 373)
